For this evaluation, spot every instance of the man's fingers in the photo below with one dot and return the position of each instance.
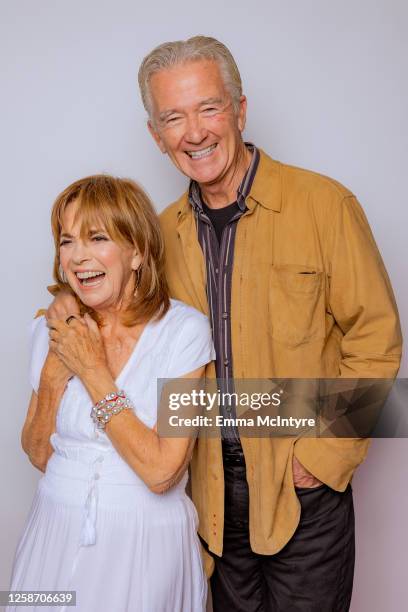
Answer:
(52, 312)
(64, 305)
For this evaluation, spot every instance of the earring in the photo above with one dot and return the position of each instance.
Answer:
(138, 274)
(62, 274)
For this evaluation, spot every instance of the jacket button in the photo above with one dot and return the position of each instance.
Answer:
(226, 362)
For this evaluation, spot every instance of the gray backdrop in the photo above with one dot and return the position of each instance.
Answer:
(327, 89)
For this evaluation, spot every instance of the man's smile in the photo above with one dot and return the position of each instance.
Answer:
(202, 152)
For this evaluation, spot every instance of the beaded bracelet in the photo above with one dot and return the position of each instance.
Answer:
(107, 407)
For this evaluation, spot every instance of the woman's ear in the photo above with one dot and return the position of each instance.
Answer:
(136, 260)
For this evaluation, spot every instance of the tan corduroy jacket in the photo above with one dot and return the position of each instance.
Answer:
(340, 320)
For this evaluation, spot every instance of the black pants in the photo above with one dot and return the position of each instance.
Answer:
(312, 573)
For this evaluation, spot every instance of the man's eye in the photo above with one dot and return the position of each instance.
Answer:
(172, 119)
(210, 110)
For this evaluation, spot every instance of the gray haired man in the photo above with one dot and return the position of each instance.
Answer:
(284, 263)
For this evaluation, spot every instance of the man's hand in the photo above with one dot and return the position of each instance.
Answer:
(63, 306)
(303, 478)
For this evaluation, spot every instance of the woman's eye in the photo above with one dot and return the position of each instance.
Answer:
(64, 242)
(99, 238)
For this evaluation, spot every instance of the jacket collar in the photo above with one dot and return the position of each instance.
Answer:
(194, 193)
(266, 188)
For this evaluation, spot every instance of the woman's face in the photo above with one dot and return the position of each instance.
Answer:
(99, 270)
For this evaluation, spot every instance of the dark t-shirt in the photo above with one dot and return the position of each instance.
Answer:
(219, 217)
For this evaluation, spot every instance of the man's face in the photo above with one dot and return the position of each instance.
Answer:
(194, 121)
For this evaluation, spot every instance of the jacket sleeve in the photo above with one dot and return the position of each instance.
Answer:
(362, 303)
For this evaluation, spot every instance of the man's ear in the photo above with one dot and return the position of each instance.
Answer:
(156, 136)
(242, 113)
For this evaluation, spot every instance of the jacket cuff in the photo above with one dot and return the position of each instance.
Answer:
(332, 460)
(208, 562)
(53, 289)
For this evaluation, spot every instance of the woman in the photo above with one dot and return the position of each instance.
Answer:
(97, 525)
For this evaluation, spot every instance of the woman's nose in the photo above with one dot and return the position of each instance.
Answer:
(80, 253)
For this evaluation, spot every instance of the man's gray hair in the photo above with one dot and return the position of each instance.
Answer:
(197, 48)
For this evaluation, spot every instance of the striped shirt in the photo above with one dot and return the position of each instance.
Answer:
(219, 258)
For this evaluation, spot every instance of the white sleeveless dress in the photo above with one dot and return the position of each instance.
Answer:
(94, 526)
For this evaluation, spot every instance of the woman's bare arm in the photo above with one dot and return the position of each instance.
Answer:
(42, 411)
(160, 462)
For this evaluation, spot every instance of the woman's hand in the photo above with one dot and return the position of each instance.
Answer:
(78, 345)
(55, 372)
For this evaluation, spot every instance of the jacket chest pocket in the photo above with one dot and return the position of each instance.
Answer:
(296, 304)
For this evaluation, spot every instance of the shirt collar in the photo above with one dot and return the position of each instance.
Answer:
(194, 193)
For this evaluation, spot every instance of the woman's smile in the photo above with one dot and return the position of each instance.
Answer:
(90, 278)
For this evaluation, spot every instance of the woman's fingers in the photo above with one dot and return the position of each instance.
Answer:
(91, 324)
(56, 324)
(53, 335)
(61, 328)
(77, 343)
(77, 324)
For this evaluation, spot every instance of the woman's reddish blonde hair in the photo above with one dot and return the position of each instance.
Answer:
(126, 213)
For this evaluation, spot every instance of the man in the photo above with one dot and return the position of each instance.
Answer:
(283, 262)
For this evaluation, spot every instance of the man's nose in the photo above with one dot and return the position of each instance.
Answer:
(196, 131)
